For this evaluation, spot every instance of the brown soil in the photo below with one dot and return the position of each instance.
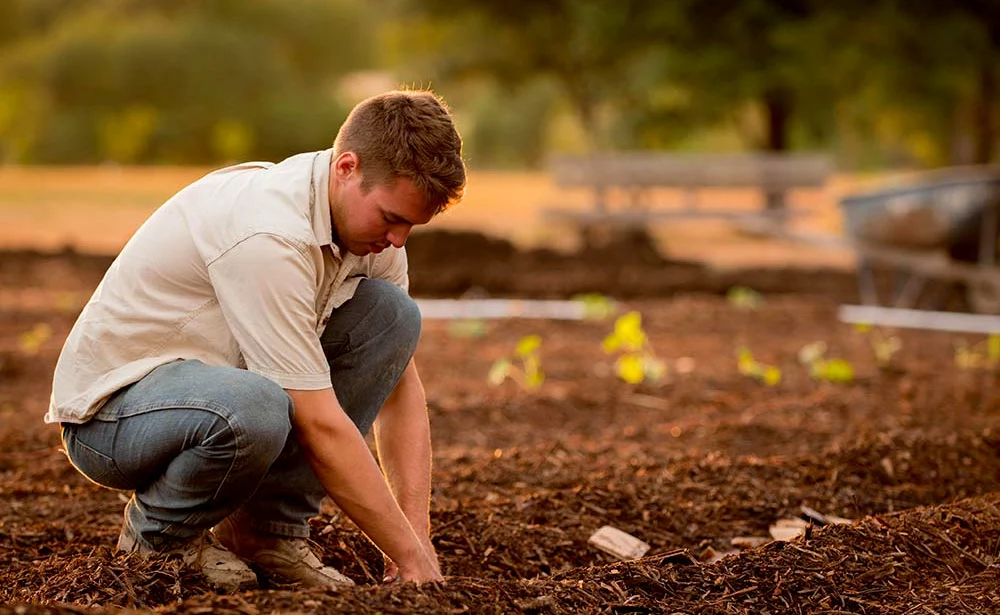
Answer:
(911, 452)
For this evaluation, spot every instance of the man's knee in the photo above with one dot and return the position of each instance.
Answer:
(257, 407)
(396, 309)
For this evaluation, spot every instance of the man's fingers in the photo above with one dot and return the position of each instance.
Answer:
(391, 573)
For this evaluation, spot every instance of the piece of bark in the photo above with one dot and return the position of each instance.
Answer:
(822, 519)
(620, 544)
(750, 542)
(787, 529)
(710, 555)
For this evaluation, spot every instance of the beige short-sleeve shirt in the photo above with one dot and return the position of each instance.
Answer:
(237, 269)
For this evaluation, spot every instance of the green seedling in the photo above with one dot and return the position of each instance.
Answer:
(636, 360)
(596, 306)
(468, 328)
(525, 368)
(748, 366)
(984, 355)
(30, 342)
(745, 298)
(821, 368)
(884, 346)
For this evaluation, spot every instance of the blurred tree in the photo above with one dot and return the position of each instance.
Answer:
(935, 69)
(173, 81)
(769, 54)
(508, 124)
(587, 46)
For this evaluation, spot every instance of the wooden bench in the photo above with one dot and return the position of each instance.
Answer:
(622, 184)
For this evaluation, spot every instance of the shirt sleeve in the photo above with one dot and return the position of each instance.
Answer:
(392, 266)
(266, 288)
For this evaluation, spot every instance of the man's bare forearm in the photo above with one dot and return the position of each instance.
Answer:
(348, 472)
(402, 435)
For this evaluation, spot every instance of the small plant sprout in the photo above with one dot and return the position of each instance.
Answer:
(526, 367)
(467, 328)
(984, 355)
(745, 298)
(31, 341)
(883, 345)
(748, 366)
(636, 361)
(821, 368)
(596, 306)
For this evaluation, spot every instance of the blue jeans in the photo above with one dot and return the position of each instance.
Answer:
(196, 443)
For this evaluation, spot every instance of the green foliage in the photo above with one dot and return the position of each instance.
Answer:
(588, 47)
(467, 328)
(877, 83)
(596, 306)
(832, 370)
(762, 372)
(231, 140)
(636, 361)
(883, 345)
(124, 135)
(180, 82)
(525, 368)
(745, 298)
(924, 74)
(509, 124)
(825, 369)
(982, 355)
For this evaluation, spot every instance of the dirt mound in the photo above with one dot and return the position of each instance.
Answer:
(453, 263)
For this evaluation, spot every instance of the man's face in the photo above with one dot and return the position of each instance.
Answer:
(369, 222)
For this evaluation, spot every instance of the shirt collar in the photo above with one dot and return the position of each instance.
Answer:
(321, 221)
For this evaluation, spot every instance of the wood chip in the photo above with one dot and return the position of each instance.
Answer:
(821, 519)
(787, 529)
(710, 555)
(750, 542)
(620, 544)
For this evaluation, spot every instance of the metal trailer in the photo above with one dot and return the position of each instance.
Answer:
(932, 236)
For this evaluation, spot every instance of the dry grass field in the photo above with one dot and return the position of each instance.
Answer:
(96, 209)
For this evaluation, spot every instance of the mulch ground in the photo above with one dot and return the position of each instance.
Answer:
(909, 452)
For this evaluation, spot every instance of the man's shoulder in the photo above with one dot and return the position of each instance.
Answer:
(232, 204)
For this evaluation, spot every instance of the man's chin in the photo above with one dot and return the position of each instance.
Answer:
(364, 250)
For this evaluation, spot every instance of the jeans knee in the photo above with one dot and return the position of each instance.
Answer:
(260, 410)
(400, 311)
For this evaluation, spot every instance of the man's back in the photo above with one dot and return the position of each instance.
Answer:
(157, 302)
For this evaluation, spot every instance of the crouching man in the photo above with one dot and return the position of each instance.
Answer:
(246, 339)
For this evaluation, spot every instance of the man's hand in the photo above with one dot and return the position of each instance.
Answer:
(346, 468)
(392, 573)
(402, 436)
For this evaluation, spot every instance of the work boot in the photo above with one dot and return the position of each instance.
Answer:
(280, 558)
(203, 553)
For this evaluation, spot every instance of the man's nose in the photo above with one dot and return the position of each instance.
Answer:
(397, 235)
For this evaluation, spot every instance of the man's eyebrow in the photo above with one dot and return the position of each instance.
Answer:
(392, 216)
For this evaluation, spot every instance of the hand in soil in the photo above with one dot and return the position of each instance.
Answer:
(429, 568)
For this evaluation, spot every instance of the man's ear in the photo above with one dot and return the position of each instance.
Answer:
(345, 165)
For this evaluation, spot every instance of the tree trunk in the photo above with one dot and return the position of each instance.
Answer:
(778, 103)
(984, 127)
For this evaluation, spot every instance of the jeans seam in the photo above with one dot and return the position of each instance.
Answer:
(182, 404)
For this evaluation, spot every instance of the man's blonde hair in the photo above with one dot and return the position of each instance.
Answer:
(406, 133)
